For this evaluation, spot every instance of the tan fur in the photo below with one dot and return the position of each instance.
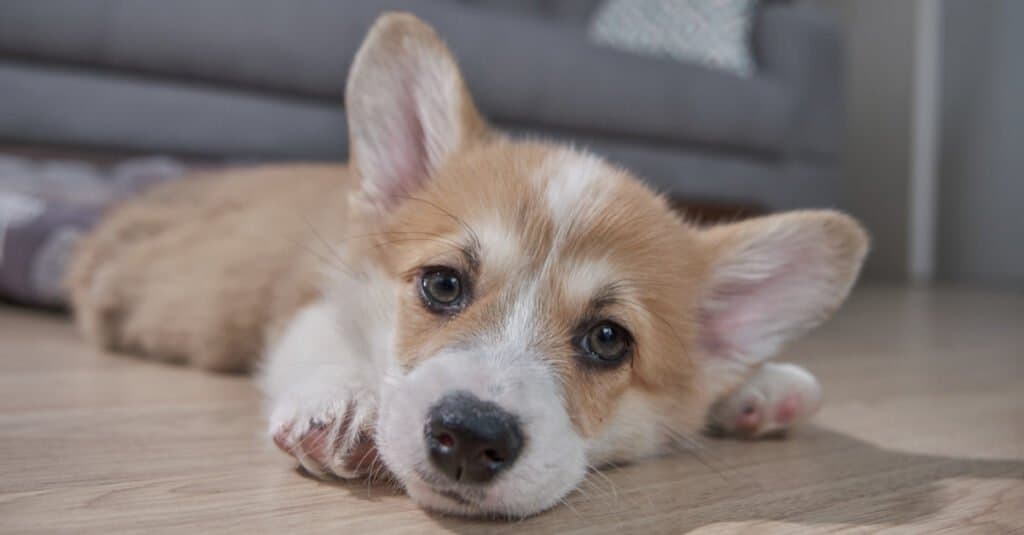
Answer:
(200, 270)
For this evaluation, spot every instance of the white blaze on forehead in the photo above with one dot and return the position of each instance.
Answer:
(581, 282)
(587, 277)
(575, 185)
(500, 244)
(521, 323)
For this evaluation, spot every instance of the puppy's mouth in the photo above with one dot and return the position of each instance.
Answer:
(455, 496)
(471, 498)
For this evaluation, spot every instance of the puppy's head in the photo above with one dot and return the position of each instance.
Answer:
(550, 313)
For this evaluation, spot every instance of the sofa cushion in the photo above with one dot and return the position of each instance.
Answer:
(576, 12)
(61, 106)
(716, 34)
(521, 69)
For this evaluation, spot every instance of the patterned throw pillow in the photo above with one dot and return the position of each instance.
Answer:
(715, 33)
(45, 206)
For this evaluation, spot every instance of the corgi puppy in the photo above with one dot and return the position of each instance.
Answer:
(481, 317)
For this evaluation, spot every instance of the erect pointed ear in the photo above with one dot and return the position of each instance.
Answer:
(408, 108)
(773, 278)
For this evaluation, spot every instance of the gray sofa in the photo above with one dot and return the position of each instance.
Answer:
(264, 79)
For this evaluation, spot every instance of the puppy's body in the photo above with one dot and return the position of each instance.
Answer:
(202, 270)
(485, 318)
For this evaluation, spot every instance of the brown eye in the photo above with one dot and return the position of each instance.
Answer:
(607, 342)
(442, 289)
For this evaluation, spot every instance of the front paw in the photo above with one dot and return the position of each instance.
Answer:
(773, 400)
(328, 439)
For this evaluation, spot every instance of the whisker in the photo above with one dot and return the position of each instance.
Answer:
(363, 458)
(327, 245)
(458, 220)
(566, 503)
(404, 240)
(329, 263)
(580, 490)
(602, 493)
(611, 484)
(687, 445)
(390, 233)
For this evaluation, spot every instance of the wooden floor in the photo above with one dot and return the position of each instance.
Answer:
(923, 428)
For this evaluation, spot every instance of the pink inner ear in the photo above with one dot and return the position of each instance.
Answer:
(737, 311)
(761, 299)
(402, 162)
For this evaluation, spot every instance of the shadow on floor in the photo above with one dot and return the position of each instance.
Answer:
(817, 478)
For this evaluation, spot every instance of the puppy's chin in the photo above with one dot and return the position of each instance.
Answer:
(484, 503)
(552, 462)
(445, 502)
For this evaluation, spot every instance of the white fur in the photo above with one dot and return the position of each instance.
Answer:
(550, 466)
(521, 324)
(587, 277)
(499, 367)
(502, 248)
(309, 377)
(328, 363)
(576, 185)
(764, 390)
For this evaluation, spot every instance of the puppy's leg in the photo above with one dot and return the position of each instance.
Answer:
(774, 398)
(322, 396)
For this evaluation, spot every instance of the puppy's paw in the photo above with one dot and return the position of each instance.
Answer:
(774, 399)
(328, 439)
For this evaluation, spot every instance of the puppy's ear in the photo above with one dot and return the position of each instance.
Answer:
(408, 108)
(771, 279)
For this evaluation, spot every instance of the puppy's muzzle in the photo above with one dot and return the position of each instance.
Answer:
(470, 440)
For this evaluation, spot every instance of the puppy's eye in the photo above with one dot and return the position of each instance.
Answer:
(442, 289)
(607, 342)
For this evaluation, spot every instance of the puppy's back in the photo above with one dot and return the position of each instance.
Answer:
(198, 270)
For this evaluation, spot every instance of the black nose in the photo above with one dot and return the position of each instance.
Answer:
(471, 440)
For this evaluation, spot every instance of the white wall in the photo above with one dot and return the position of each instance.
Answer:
(879, 43)
(981, 185)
